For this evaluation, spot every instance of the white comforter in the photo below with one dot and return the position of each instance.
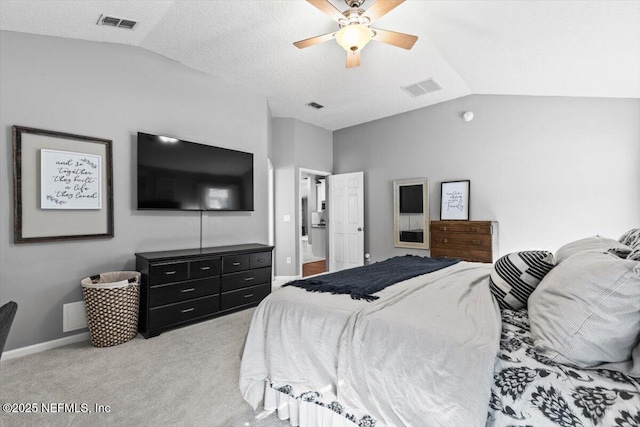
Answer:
(421, 355)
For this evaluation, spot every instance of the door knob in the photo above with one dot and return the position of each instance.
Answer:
(359, 228)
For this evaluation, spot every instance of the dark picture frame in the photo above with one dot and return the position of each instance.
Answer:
(35, 223)
(454, 200)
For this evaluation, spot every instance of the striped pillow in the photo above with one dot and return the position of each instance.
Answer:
(515, 276)
(631, 238)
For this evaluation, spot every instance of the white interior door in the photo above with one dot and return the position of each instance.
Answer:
(346, 221)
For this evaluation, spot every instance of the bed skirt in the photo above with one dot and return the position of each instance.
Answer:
(301, 413)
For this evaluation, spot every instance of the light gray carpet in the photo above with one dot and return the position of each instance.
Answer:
(184, 377)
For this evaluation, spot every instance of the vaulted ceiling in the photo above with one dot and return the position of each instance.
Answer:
(543, 48)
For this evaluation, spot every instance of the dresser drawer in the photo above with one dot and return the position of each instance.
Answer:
(463, 254)
(444, 240)
(480, 227)
(167, 272)
(235, 263)
(176, 292)
(260, 259)
(246, 278)
(204, 268)
(182, 312)
(244, 296)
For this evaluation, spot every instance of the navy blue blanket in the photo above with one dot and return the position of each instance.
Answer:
(362, 282)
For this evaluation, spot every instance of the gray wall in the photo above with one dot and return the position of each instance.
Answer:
(296, 145)
(113, 91)
(549, 169)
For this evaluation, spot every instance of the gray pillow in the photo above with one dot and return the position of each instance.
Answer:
(595, 243)
(586, 311)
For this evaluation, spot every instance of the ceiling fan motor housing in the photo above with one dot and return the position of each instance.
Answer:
(353, 16)
(354, 3)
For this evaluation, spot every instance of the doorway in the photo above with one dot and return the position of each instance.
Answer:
(312, 232)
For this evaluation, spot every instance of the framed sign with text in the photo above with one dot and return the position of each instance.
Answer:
(454, 200)
(62, 186)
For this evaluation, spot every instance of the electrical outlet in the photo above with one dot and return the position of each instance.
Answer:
(288, 260)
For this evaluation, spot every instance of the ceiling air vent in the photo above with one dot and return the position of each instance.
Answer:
(315, 105)
(112, 21)
(422, 88)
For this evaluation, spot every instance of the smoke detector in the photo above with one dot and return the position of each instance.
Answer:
(113, 21)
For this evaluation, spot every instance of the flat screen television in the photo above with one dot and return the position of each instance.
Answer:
(182, 175)
(411, 199)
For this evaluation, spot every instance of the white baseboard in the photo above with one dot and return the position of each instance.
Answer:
(37, 348)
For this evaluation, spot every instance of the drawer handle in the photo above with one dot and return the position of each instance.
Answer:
(236, 263)
(261, 259)
(445, 240)
(475, 242)
(248, 279)
(205, 268)
(248, 295)
(187, 310)
(188, 290)
(476, 229)
(444, 228)
(170, 272)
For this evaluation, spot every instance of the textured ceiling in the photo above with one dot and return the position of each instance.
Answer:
(547, 48)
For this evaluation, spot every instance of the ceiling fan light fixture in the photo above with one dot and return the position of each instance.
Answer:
(353, 37)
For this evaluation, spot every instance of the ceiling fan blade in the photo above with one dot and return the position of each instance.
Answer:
(314, 40)
(328, 9)
(405, 41)
(381, 8)
(353, 59)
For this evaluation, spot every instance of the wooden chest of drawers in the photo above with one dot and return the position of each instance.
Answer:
(187, 286)
(475, 241)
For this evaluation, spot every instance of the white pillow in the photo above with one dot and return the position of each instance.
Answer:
(595, 243)
(586, 311)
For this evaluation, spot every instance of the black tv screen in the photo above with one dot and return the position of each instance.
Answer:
(411, 199)
(181, 175)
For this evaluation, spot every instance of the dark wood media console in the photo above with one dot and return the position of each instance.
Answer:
(186, 286)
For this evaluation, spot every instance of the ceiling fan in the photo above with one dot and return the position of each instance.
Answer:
(354, 31)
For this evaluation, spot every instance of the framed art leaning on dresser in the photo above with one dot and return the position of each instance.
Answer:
(454, 200)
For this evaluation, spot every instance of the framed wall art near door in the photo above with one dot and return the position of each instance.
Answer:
(454, 200)
(62, 186)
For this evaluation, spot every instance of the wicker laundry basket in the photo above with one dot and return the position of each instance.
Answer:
(112, 301)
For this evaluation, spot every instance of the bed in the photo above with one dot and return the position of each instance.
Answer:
(437, 349)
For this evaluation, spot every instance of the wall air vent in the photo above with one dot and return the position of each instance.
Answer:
(315, 105)
(112, 21)
(422, 88)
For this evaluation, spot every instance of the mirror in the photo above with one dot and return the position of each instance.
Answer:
(411, 213)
